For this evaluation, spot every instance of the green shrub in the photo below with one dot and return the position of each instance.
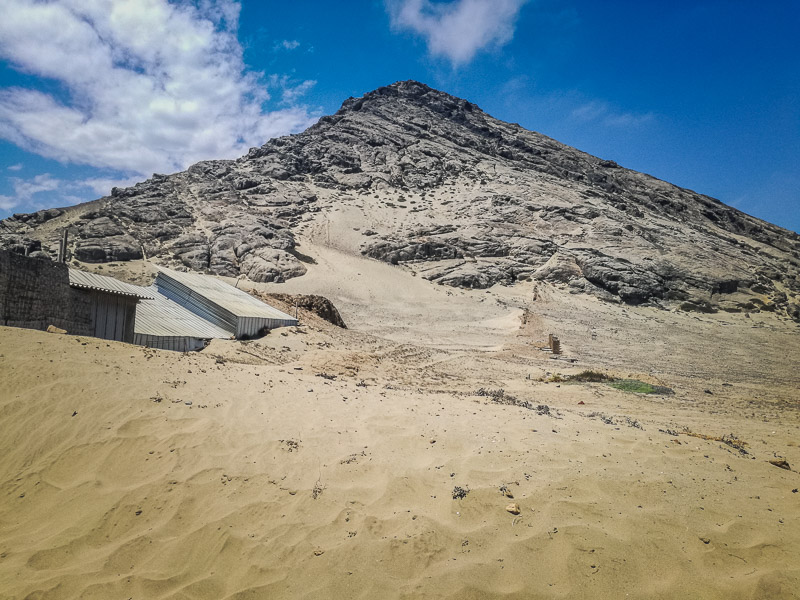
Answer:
(639, 387)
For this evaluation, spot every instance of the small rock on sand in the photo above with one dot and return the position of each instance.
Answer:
(513, 508)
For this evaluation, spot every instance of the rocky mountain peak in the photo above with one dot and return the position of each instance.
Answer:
(438, 185)
(404, 94)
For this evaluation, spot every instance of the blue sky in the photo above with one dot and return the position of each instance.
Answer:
(96, 93)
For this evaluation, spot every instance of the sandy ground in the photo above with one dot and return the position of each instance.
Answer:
(362, 463)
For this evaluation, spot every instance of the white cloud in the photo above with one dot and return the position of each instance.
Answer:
(147, 86)
(16, 167)
(457, 29)
(290, 89)
(26, 189)
(603, 113)
(7, 202)
(290, 44)
(46, 190)
(293, 93)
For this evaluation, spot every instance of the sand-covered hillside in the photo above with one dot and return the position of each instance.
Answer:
(383, 461)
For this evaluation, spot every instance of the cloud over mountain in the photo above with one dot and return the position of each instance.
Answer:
(457, 30)
(132, 88)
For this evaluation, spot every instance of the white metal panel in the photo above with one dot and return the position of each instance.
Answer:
(101, 283)
(161, 316)
(174, 343)
(223, 295)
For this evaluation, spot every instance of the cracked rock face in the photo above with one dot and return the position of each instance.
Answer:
(462, 198)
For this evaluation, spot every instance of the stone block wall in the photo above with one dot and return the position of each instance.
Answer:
(35, 293)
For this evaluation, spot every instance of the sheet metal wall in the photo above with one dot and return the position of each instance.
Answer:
(178, 344)
(197, 304)
(251, 326)
(113, 316)
(200, 305)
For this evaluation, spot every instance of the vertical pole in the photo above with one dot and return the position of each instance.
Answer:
(62, 247)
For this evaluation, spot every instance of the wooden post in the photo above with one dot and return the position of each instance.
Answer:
(62, 247)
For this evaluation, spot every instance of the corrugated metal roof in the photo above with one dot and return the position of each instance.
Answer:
(234, 300)
(93, 281)
(160, 316)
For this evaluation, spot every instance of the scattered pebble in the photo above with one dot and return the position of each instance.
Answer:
(513, 508)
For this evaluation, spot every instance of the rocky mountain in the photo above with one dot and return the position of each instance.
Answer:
(431, 181)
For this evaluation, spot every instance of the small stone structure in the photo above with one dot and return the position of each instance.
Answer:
(35, 293)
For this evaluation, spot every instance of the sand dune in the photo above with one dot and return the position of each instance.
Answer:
(243, 472)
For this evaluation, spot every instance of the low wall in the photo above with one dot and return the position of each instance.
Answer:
(35, 293)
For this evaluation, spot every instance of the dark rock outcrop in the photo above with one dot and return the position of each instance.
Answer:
(319, 305)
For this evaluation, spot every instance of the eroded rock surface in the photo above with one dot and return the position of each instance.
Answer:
(464, 198)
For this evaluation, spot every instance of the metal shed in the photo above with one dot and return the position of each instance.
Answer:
(162, 323)
(220, 303)
(113, 304)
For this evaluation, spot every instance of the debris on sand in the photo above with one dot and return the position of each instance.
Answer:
(602, 416)
(610, 420)
(460, 493)
(290, 445)
(513, 508)
(728, 439)
(500, 397)
(781, 464)
(590, 376)
(318, 489)
(505, 491)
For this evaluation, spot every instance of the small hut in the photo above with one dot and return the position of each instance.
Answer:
(223, 305)
(112, 304)
(162, 323)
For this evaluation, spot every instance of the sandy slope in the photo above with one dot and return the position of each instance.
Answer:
(276, 482)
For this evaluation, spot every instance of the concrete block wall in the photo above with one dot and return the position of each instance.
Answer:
(35, 293)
